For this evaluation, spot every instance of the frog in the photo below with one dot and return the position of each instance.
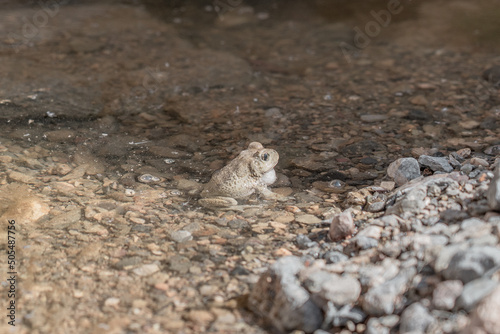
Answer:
(252, 171)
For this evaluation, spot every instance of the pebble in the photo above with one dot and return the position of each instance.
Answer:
(65, 219)
(334, 257)
(201, 316)
(148, 178)
(383, 299)
(436, 164)
(370, 118)
(146, 269)
(304, 242)
(479, 162)
(471, 263)
(22, 177)
(325, 286)
(419, 100)
(493, 194)
(307, 219)
(388, 185)
(492, 75)
(415, 319)
(474, 291)
(342, 226)
(374, 326)
(484, 318)
(446, 293)
(279, 298)
(181, 236)
(188, 185)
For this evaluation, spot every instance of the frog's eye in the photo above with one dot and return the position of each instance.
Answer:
(265, 156)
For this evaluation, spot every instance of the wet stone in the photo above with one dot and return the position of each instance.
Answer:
(148, 178)
(492, 75)
(179, 264)
(377, 326)
(238, 224)
(418, 115)
(146, 269)
(21, 177)
(467, 168)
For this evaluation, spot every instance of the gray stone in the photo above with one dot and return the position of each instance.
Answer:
(370, 231)
(180, 264)
(467, 168)
(181, 236)
(382, 325)
(279, 298)
(339, 317)
(383, 299)
(444, 255)
(334, 257)
(436, 164)
(412, 202)
(485, 319)
(325, 286)
(415, 319)
(493, 193)
(474, 292)
(471, 223)
(446, 293)
(304, 242)
(373, 326)
(469, 264)
(375, 274)
(403, 170)
(366, 242)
